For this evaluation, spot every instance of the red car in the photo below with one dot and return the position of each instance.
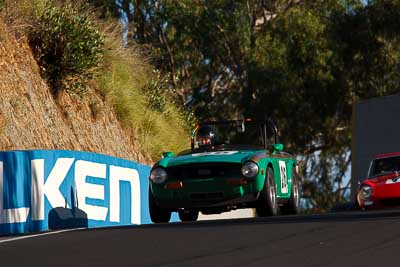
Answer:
(382, 187)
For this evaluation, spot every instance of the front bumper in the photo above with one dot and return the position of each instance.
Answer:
(206, 193)
(380, 203)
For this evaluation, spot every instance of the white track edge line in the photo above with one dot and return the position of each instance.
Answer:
(38, 235)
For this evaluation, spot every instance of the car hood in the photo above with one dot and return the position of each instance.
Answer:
(385, 186)
(210, 157)
(385, 178)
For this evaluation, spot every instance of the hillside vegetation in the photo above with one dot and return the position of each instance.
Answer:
(103, 107)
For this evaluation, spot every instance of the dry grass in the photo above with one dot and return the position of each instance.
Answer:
(121, 81)
(18, 14)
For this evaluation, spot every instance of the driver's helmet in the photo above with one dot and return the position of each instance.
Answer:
(386, 166)
(205, 136)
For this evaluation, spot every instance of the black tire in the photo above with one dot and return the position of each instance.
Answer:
(188, 215)
(293, 205)
(157, 214)
(358, 200)
(267, 202)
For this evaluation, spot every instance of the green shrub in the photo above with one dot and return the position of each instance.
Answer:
(160, 96)
(66, 44)
(157, 92)
(126, 79)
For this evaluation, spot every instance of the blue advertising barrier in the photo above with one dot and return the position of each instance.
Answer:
(57, 189)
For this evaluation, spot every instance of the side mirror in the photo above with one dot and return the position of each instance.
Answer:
(275, 148)
(168, 154)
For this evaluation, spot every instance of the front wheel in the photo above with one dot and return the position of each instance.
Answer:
(293, 204)
(157, 214)
(267, 204)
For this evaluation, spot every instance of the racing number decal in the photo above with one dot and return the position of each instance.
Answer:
(284, 185)
(393, 181)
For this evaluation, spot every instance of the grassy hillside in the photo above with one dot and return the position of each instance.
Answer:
(124, 79)
(121, 82)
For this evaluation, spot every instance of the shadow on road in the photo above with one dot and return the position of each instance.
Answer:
(65, 218)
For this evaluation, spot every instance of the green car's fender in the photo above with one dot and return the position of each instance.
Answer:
(282, 168)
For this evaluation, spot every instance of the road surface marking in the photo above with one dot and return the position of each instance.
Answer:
(38, 235)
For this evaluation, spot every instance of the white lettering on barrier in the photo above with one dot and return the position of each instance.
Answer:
(10, 215)
(37, 196)
(83, 169)
(85, 190)
(118, 174)
(50, 188)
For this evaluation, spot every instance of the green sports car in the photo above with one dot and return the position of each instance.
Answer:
(230, 165)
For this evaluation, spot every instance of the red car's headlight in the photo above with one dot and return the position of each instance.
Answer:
(366, 192)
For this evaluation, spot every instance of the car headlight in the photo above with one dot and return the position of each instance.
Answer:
(158, 175)
(250, 169)
(366, 192)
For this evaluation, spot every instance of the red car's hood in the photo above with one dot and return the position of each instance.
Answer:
(386, 178)
(385, 186)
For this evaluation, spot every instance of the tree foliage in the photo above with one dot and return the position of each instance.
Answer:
(302, 62)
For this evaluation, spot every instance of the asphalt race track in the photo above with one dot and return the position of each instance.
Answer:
(341, 239)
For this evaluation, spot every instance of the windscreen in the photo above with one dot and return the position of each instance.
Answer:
(385, 165)
(239, 136)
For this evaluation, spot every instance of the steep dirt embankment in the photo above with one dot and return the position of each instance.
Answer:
(32, 118)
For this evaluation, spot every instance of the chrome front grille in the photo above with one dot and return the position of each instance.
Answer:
(207, 196)
(209, 170)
